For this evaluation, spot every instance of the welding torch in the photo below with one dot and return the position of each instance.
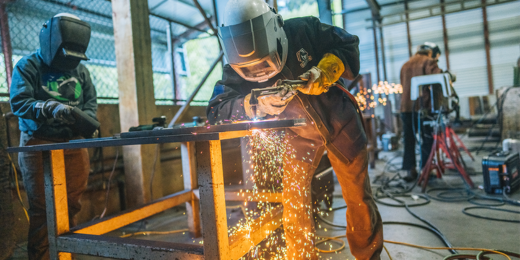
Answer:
(288, 85)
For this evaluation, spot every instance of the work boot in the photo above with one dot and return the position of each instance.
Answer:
(411, 175)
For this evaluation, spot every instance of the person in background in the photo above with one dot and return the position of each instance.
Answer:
(424, 62)
(46, 86)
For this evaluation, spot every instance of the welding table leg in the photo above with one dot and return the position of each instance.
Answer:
(56, 200)
(189, 174)
(212, 200)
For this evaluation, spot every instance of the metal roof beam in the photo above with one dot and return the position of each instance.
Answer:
(374, 8)
(206, 18)
(179, 23)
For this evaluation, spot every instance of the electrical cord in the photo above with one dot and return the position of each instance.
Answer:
(108, 185)
(483, 250)
(153, 170)
(17, 185)
(436, 232)
(469, 195)
(465, 211)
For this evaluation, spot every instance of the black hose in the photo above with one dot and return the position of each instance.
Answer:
(436, 232)
(465, 211)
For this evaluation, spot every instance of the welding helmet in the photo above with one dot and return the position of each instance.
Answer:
(430, 46)
(253, 39)
(63, 41)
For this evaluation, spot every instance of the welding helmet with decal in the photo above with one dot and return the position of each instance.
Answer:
(63, 41)
(253, 39)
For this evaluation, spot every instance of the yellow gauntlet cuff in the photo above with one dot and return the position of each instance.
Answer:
(332, 68)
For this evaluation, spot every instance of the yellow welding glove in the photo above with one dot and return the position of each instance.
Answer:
(320, 78)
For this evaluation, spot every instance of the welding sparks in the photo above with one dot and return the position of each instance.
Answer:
(271, 157)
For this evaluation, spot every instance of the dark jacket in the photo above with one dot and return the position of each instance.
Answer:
(34, 83)
(333, 112)
(418, 65)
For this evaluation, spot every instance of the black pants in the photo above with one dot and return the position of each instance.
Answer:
(410, 122)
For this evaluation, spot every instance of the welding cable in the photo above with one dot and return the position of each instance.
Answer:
(465, 211)
(471, 197)
(148, 233)
(325, 239)
(440, 196)
(434, 231)
(15, 172)
(407, 207)
(498, 252)
(508, 254)
(108, 185)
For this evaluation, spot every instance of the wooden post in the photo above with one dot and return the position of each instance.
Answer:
(136, 95)
(56, 200)
(189, 173)
(212, 200)
(488, 46)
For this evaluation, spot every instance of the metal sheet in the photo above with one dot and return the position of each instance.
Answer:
(121, 248)
(105, 142)
(246, 126)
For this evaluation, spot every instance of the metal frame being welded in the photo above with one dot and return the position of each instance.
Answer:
(202, 163)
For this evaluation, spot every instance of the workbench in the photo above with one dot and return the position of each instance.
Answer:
(201, 163)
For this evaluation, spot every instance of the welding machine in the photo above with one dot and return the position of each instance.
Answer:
(500, 172)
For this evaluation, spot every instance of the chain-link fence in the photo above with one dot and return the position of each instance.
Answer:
(27, 16)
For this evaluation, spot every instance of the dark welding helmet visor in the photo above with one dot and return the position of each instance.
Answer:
(63, 41)
(256, 49)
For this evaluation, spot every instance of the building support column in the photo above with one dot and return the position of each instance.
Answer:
(445, 36)
(136, 96)
(6, 44)
(382, 39)
(344, 8)
(325, 11)
(376, 51)
(408, 29)
(171, 51)
(487, 46)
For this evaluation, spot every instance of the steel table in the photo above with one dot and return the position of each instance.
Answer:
(201, 163)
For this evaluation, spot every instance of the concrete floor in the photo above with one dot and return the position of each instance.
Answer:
(461, 230)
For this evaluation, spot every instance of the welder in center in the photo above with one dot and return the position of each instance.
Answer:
(261, 49)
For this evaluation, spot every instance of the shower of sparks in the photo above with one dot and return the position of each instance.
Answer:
(266, 155)
(377, 95)
(269, 154)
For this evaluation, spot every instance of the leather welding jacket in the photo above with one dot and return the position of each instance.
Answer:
(418, 65)
(34, 83)
(333, 112)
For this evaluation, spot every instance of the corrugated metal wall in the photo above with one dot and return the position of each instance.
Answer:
(467, 52)
(504, 36)
(465, 40)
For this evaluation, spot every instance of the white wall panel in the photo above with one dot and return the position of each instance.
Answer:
(467, 53)
(504, 37)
